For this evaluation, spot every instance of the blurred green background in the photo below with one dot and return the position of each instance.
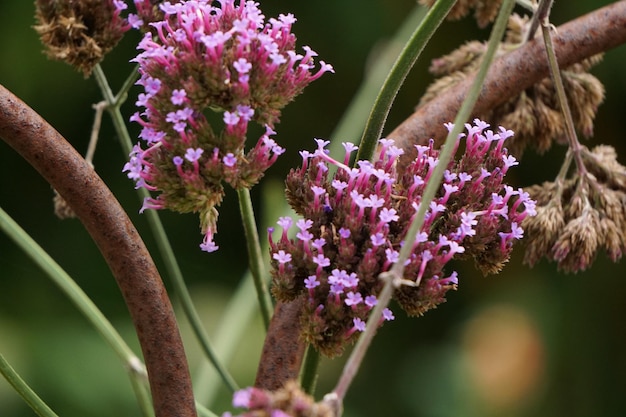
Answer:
(526, 342)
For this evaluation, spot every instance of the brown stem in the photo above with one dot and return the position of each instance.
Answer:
(588, 35)
(107, 223)
(516, 71)
(283, 349)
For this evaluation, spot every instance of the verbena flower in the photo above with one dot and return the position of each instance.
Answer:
(203, 58)
(355, 222)
(288, 401)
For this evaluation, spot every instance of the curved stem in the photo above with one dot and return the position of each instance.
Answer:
(514, 72)
(22, 388)
(105, 220)
(395, 78)
(255, 256)
(281, 358)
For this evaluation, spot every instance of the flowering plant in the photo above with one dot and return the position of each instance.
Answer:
(381, 232)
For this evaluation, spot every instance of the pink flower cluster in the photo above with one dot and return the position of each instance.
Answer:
(354, 224)
(203, 58)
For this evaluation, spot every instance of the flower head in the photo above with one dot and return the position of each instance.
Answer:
(474, 215)
(80, 32)
(205, 56)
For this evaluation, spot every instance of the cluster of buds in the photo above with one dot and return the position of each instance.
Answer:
(225, 59)
(579, 216)
(354, 224)
(80, 32)
(289, 401)
(534, 114)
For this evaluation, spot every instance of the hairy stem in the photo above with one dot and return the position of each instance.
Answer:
(514, 72)
(105, 220)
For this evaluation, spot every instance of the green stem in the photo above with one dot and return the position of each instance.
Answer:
(204, 412)
(136, 369)
(393, 277)
(232, 327)
(22, 388)
(355, 116)
(308, 375)
(541, 13)
(555, 73)
(163, 244)
(404, 63)
(128, 83)
(242, 306)
(255, 255)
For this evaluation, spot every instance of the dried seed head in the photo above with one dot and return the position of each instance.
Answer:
(543, 230)
(575, 249)
(81, 32)
(581, 215)
(485, 10)
(612, 238)
(602, 162)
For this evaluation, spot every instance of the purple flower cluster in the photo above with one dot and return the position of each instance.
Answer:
(287, 401)
(222, 58)
(354, 224)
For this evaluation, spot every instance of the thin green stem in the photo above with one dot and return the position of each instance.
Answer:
(255, 255)
(308, 375)
(393, 277)
(350, 127)
(204, 412)
(397, 75)
(22, 388)
(40, 257)
(446, 152)
(242, 307)
(232, 327)
(541, 13)
(95, 131)
(555, 73)
(365, 340)
(121, 95)
(163, 244)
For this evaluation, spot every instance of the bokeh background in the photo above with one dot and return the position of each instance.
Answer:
(525, 342)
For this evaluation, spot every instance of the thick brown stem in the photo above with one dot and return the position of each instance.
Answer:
(516, 71)
(105, 220)
(283, 350)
